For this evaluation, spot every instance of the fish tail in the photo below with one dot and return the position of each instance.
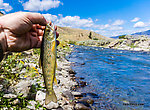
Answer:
(50, 96)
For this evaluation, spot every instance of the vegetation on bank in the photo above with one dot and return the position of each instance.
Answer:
(19, 66)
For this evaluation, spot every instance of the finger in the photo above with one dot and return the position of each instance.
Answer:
(36, 18)
(34, 28)
(34, 34)
(40, 32)
(57, 34)
(34, 42)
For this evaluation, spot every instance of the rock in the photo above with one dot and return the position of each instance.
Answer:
(68, 107)
(77, 94)
(40, 97)
(93, 95)
(16, 101)
(23, 87)
(87, 100)
(58, 108)
(80, 106)
(31, 105)
(10, 96)
(82, 63)
(137, 49)
(62, 102)
(68, 95)
(65, 73)
(52, 105)
(82, 78)
(1, 87)
(71, 71)
(83, 83)
(114, 43)
(59, 68)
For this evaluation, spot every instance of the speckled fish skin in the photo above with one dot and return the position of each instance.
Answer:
(48, 61)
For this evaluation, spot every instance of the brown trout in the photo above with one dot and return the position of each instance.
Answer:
(48, 62)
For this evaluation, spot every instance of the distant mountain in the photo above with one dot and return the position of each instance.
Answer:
(142, 33)
(115, 37)
(147, 33)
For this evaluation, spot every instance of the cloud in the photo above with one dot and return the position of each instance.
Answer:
(70, 21)
(5, 6)
(75, 21)
(115, 28)
(38, 5)
(96, 20)
(21, 1)
(89, 24)
(118, 22)
(51, 17)
(135, 19)
(139, 24)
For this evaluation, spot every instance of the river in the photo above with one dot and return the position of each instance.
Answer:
(120, 78)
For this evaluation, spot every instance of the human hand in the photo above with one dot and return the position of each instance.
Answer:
(22, 31)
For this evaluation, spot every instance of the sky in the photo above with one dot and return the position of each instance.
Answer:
(106, 17)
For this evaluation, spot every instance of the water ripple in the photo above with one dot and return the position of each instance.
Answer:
(120, 78)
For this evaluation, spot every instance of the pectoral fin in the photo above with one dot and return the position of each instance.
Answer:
(55, 81)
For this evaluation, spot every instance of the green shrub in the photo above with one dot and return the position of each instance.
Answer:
(122, 37)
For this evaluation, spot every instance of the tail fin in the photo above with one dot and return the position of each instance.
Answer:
(50, 96)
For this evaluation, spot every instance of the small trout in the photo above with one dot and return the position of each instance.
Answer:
(48, 62)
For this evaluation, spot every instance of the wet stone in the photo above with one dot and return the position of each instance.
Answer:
(80, 106)
(87, 100)
(71, 71)
(77, 94)
(93, 95)
(83, 83)
(68, 95)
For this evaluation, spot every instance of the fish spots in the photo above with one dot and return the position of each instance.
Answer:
(50, 92)
(49, 58)
(48, 78)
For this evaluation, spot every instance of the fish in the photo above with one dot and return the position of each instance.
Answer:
(48, 61)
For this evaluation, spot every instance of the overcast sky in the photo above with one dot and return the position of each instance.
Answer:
(106, 17)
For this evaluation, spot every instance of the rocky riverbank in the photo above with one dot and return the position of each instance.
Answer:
(134, 43)
(128, 42)
(22, 85)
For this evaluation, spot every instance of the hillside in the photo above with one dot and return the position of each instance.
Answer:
(67, 33)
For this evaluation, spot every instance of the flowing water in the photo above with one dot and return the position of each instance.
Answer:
(120, 78)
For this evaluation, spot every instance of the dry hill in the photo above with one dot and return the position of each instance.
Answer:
(67, 33)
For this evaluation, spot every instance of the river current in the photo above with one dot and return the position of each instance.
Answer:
(120, 78)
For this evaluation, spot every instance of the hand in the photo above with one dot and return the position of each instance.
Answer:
(22, 31)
